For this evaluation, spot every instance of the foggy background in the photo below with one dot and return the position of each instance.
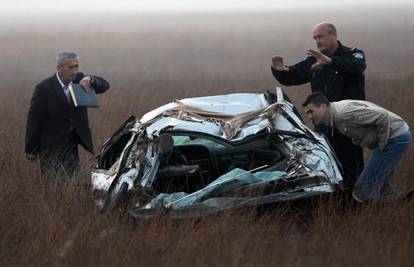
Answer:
(159, 6)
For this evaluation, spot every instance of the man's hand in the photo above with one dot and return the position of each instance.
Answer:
(86, 83)
(31, 157)
(321, 59)
(277, 64)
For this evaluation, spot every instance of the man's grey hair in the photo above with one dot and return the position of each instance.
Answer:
(60, 58)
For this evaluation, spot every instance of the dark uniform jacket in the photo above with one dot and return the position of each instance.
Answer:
(342, 79)
(52, 119)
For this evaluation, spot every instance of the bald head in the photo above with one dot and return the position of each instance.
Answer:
(324, 34)
(325, 26)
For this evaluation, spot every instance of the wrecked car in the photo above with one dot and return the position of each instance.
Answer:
(196, 156)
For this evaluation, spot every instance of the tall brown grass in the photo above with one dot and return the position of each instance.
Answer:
(151, 60)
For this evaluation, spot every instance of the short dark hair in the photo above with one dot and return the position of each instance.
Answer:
(316, 98)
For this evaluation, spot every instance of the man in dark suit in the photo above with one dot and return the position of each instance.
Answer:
(55, 126)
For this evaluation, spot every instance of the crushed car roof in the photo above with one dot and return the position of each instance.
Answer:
(232, 117)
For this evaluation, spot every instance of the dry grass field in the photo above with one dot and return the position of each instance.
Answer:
(150, 60)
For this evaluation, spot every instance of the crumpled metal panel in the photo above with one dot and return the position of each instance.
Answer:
(223, 105)
(229, 104)
(232, 104)
(281, 123)
(101, 180)
(176, 124)
(211, 194)
(157, 112)
(245, 115)
(231, 180)
(208, 199)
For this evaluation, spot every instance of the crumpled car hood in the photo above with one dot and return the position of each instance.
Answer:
(232, 117)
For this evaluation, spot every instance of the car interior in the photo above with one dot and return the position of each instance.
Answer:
(194, 161)
(197, 161)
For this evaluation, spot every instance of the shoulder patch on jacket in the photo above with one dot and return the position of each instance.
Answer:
(307, 58)
(358, 55)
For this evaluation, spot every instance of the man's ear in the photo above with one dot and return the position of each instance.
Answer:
(325, 108)
(58, 67)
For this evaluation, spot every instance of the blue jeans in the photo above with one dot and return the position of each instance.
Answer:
(380, 167)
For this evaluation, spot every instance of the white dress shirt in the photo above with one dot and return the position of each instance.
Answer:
(64, 87)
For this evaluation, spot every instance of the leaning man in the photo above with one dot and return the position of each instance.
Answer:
(367, 125)
(55, 127)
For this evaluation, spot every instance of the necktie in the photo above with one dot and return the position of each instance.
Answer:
(68, 97)
(66, 90)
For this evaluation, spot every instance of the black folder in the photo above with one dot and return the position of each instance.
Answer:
(83, 98)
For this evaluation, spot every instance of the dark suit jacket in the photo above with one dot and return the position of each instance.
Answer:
(51, 117)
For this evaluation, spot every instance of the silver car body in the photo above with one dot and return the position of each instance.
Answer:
(310, 167)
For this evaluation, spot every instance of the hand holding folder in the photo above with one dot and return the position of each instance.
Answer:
(81, 97)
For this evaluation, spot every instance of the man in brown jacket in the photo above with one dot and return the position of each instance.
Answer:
(367, 125)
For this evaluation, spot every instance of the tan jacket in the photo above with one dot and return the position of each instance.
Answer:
(366, 123)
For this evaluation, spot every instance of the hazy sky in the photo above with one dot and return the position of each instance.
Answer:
(138, 6)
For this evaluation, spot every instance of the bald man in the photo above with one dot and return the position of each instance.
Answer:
(338, 72)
